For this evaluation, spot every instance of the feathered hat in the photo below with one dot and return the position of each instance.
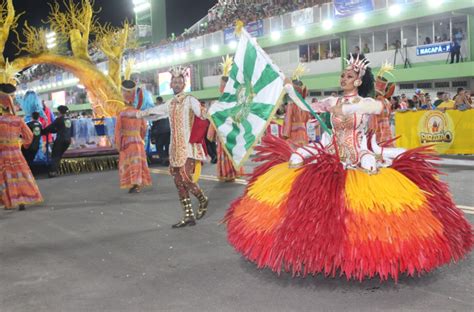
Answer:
(382, 85)
(127, 83)
(8, 81)
(296, 79)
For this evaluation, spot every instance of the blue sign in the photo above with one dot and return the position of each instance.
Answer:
(437, 48)
(343, 8)
(255, 29)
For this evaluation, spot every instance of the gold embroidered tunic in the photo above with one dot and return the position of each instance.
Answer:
(181, 110)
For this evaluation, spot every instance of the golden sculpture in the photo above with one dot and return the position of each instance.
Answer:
(74, 22)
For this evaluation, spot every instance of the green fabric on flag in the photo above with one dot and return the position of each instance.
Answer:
(249, 62)
(268, 75)
(244, 110)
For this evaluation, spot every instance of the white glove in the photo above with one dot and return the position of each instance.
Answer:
(297, 159)
(368, 162)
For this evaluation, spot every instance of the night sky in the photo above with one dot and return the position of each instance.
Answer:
(181, 14)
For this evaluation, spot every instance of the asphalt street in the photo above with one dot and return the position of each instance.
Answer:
(93, 247)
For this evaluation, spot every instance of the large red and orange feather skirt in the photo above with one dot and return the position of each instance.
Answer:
(324, 219)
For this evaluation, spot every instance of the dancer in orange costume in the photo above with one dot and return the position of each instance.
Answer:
(344, 208)
(129, 136)
(17, 184)
(380, 124)
(294, 126)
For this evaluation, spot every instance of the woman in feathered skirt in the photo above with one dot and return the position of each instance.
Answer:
(347, 206)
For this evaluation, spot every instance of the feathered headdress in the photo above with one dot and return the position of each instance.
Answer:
(382, 85)
(298, 72)
(128, 68)
(8, 78)
(358, 65)
(226, 65)
(296, 79)
(178, 71)
(127, 83)
(8, 81)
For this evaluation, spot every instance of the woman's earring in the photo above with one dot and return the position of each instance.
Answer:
(357, 83)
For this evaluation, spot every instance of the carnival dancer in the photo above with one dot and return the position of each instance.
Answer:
(344, 208)
(379, 124)
(294, 125)
(182, 110)
(129, 135)
(62, 126)
(137, 96)
(17, 184)
(226, 171)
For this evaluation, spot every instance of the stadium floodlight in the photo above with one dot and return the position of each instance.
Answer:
(215, 48)
(142, 7)
(300, 30)
(359, 17)
(233, 44)
(327, 24)
(395, 10)
(198, 52)
(138, 2)
(275, 35)
(435, 3)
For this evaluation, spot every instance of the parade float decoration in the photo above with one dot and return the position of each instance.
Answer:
(75, 23)
(77, 30)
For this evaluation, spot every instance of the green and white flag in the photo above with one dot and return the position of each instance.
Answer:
(249, 100)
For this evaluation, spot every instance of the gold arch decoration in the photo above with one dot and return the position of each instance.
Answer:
(74, 22)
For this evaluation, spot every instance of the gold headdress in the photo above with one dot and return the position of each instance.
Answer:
(382, 85)
(358, 65)
(127, 83)
(128, 68)
(8, 78)
(296, 79)
(226, 65)
(386, 68)
(8, 81)
(298, 72)
(179, 71)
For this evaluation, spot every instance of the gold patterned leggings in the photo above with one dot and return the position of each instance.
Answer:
(183, 179)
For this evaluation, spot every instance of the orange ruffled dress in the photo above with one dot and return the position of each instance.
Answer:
(17, 184)
(129, 135)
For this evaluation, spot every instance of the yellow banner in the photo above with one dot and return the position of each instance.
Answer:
(451, 132)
